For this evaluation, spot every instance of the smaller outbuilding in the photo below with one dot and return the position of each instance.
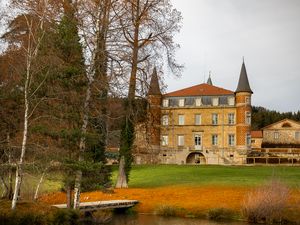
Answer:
(282, 134)
(277, 143)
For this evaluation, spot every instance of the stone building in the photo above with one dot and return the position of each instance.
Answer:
(277, 143)
(202, 124)
(283, 133)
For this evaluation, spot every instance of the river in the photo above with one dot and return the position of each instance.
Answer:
(158, 220)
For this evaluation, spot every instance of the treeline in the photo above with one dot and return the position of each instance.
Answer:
(66, 67)
(262, 117)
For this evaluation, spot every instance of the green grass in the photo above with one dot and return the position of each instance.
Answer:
(151, 176)
(148, 176)
(52, 183)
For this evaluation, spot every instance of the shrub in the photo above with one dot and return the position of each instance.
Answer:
(167, 210)
(36, 213)
(266, 203)
(221, 214)
(102, 216)
(22, 219)
(65, 217)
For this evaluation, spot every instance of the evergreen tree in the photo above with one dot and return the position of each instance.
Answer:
(126, 143)
(262, 117)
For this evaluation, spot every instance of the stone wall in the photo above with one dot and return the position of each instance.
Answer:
(285, 136)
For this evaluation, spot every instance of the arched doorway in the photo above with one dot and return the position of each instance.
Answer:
(195, 158)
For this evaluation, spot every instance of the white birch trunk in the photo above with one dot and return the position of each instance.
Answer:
(31, 52)
(19, 173)
(36, 194)
(82, 146)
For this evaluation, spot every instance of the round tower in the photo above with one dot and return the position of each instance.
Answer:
(243, 95)
(154, 111)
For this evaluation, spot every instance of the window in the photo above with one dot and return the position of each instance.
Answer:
(197, 139)
(297, 135)
(181, 102)
(197, 119)
(248, 118)
(253, 141)
(164, 140)
(231, 118)
(286, 125)
(276, 135)
(214, 118)
(181, 120)
(189, 101)
(180, 140)
(248, 100)
(214, 139)
(231, 100)
(198, 102)
(248, 139)
(166, 103)
(231, 139)
(173, 102)
(206, 100)
(165, 120)
(223, 100)
(215, 101)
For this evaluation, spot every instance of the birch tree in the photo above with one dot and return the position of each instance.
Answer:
(28, 39)
(97, 14)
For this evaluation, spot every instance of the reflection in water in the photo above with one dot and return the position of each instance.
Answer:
(157, 220)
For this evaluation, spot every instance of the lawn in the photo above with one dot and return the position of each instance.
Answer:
(148, 176)
(153, 176)
(52, 183)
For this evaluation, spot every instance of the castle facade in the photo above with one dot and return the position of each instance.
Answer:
(202, 124)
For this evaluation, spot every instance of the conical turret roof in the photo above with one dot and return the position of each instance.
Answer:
(243, 85)
(209, 81)
(154, 88)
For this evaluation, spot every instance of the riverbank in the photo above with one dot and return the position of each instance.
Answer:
(189, 191)
(185, 201)
(196, 191)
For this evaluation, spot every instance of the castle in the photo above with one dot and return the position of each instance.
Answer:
(202, 124)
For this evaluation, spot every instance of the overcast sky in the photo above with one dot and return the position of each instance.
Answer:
(216, 34)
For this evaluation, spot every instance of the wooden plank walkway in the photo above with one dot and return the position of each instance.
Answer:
(94, 206)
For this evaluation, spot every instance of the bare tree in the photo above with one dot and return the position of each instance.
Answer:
(148, 28)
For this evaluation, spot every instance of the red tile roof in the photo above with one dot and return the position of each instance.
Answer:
(256, 134)
(200, 90)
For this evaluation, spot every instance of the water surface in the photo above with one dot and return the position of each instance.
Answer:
(158, 220)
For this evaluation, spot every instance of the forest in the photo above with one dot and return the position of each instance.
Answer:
(262, 117)
(73, 73)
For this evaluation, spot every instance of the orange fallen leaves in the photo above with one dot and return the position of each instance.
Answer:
(193, 199)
